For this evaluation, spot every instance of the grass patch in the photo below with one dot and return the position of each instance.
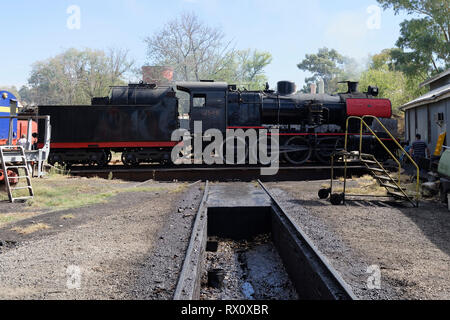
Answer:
(178, 189)
(8, 218)
(58, 171)
(63, 192)
(59, 197)
(31, 229)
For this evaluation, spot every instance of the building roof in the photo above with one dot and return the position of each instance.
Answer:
(435, 78)
(430, 97)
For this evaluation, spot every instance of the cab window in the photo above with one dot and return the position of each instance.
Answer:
(199, 101)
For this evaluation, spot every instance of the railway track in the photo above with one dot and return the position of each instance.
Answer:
(245, 211)
(213, 173)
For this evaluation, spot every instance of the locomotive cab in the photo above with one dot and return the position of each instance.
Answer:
(208, 104)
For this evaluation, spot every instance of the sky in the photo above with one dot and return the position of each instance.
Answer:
(37, 30)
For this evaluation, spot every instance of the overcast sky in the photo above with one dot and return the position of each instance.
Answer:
(288, 29)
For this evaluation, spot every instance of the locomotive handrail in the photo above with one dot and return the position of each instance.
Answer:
(364, 123)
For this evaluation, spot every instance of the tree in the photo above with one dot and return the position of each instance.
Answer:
(332, 67)
(425, 41)
(75, 77)
(195, 50)
(387, 57)
(251, 67)
(245, 68)
(326, 64)
(387, 73)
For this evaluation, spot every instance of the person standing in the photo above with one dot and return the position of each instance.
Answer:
(419, 151)
(22, 141)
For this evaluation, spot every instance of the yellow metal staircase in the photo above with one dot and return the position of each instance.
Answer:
(391, 182)
(385, 179)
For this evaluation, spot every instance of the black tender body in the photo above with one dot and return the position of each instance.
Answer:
(144, 114)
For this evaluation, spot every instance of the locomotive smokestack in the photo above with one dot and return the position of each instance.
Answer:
(352, 87)
(286, 88)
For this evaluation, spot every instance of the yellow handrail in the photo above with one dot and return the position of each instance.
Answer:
(361, 119)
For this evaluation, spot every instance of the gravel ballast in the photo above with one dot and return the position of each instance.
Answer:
(409, 246)
(116, 250)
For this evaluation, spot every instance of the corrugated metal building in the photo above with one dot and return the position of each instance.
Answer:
(428, 115)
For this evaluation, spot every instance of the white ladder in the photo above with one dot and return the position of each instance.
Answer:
(13, 157)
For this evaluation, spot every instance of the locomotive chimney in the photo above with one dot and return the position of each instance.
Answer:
(313, 88)
(286, 88)
(352, 87)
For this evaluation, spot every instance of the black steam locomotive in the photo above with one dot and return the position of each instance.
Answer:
(138, 121)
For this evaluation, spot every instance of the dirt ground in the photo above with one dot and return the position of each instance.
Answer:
(411, 246)
(116, 249)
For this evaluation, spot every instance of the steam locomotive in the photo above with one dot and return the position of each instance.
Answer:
(138, 121)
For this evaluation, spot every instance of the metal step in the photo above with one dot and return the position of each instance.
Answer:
(9, 159)
(23, 177)
(365, 155)
(383, 177)
(397, 195)
(23, 198)
(376, 169)
(369, 161)
(392, 186)
(16, 167)
(21, 188)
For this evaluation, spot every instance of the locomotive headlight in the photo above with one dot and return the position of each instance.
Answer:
(373, 91)
(4, 95)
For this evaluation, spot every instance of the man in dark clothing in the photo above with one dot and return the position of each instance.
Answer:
(419, 151)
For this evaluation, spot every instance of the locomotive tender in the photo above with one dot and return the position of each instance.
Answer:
(139, 119)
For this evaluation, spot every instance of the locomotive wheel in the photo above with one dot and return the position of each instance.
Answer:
(68, 165)
(108, 156)
(104, 159)
(301, 150)
(51, 160)
(129, 159)
(326, 147)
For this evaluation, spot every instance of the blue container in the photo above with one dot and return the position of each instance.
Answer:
(5, 103)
